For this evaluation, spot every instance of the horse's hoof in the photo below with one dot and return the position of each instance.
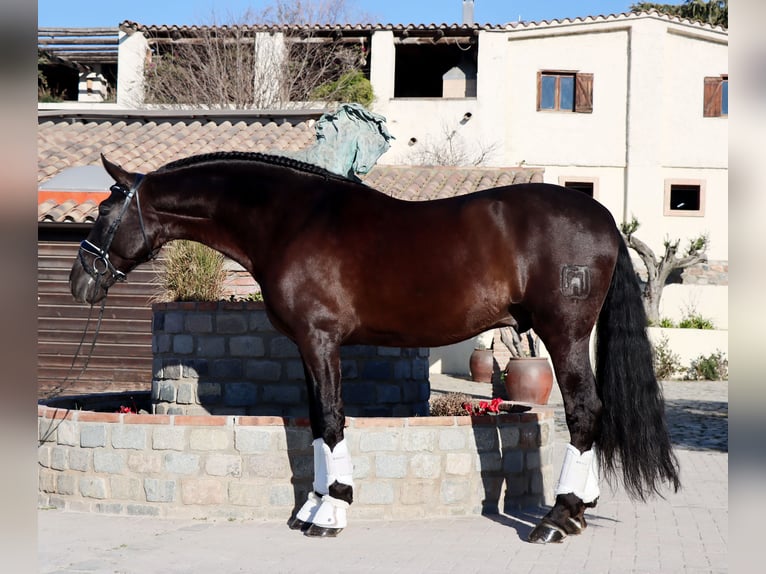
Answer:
(576, 526)
(321, 532)
(544, 533)
(296, 523)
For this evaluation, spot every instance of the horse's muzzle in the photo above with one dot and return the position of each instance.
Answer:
(85, 288)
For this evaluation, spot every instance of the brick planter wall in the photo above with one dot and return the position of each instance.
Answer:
(227, 358)
(260, 467)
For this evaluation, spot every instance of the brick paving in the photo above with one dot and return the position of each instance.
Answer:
(684, 532)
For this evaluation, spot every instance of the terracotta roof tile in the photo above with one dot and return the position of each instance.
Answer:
(144, 144)
(173, 30)
(68, 212)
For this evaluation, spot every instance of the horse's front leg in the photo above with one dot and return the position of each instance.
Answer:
(324, 512)
(577, 487)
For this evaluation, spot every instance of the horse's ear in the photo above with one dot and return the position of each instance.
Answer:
(118, 174)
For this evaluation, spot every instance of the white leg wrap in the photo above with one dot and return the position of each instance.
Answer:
(579, 474)
(331, 465)
(320, 467)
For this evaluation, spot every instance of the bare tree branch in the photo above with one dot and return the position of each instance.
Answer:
(234, 65)
(659, 270)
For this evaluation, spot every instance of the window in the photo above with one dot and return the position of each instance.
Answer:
(565, 92)
(684, 197)
(420, 66)
(716, 97)
(586, 185)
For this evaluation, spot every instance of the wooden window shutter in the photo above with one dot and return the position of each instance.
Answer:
(712, 104)
(539, 89)
(584, 93)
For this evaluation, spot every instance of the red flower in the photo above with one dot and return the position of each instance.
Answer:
(494, 406)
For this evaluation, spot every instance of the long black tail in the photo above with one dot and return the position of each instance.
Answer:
(634, 433)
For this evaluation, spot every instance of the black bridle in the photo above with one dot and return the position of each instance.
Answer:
(101, 263)
(99, 267)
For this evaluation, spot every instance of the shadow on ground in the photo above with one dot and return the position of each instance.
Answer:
(523, 521)
(698, 425)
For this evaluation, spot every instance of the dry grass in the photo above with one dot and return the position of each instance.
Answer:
(193, 272)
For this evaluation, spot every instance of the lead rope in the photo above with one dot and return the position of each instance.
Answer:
(63, 386)
(54, 423)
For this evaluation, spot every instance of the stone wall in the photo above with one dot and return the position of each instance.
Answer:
(227, 358)
(243, 467)
(713, 272)
(708, 273)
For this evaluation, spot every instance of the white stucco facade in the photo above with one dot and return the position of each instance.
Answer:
(646, 127)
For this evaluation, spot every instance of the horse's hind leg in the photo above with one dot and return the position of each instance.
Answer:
(577, 488)
(324, 513)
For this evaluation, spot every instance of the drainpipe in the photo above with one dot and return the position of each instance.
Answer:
(626, 178)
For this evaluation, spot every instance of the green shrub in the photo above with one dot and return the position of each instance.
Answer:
(193, 272)
(714, 367)
(666, 362)
(255, 296)
(695, 321)
(351, 87)
(667, 323)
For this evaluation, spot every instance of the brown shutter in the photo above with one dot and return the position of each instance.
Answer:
(584, 93)
(539, 89)
(712, 103)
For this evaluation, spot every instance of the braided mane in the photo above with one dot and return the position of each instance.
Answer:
(251, 156)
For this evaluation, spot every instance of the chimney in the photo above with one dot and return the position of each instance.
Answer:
(467, 12)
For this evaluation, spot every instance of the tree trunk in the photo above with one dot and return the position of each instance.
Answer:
(652, 295)
(658, 270)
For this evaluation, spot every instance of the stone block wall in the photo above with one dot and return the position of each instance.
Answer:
(243, 467)
(708, 273)
(227, 358)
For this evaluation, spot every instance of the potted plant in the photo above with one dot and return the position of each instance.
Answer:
(482, 359)
(528, 377)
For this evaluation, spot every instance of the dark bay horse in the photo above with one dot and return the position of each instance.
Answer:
(341, 264)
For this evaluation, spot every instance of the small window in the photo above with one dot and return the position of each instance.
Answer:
(565, 92)
(716, 97)
(684, 197)
(585, 187)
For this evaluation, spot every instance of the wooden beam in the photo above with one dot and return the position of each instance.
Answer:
(83, 49)
(78, 31)
(78, 41)
(85, 58)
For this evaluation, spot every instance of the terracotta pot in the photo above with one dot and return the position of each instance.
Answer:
(481, 364)
(529, 380)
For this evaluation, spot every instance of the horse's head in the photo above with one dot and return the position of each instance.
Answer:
(119, 240)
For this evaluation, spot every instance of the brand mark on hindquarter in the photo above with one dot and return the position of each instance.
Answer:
(575, 281)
